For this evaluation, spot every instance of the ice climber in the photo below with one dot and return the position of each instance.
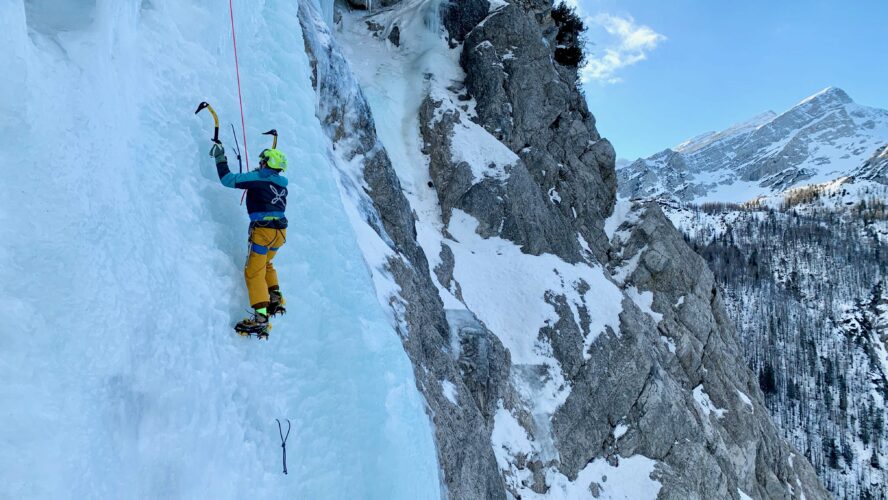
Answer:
(266, 203)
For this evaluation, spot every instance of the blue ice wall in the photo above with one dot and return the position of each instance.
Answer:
(120, 271)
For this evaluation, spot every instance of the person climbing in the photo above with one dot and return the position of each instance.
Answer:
(266, 204)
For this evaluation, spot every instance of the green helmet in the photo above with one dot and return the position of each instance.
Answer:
(273, 158)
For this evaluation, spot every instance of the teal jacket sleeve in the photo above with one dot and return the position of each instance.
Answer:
(232, 180)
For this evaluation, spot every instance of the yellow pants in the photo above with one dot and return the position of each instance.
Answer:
(259, 273)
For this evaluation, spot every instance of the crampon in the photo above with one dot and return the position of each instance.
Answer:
(250, 327)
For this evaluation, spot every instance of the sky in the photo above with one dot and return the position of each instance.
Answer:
(661, 72)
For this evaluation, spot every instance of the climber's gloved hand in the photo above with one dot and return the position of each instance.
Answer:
(217, 152)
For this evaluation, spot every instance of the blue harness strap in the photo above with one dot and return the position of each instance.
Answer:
(262, 250)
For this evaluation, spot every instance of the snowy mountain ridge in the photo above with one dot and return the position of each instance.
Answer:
(823, 137)
(709, 138)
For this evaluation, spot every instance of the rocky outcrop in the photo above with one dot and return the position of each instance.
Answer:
(875, 168)
(711, 426)
(532, 104)
(509, 205)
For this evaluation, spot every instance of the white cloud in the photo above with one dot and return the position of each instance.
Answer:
(622, 43)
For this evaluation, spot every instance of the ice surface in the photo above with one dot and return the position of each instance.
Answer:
(122, 258)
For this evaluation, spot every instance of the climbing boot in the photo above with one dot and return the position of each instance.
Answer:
(257, 325)
(277, 304)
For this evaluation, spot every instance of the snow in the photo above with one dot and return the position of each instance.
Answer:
(387, 77)
(709, 138)
(508, 438)
(620, 430)
(745, 399)
(670, 344)
(488, 157)
(622, 213)
(622, 273)
(449, 391)
(507, 288)
(644, 301)
(630, 479)
(130, 381)
(743, 495)
(706, 405)
(496, 5)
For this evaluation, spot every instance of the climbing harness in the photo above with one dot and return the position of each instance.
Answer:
(284, 440)
(205, 105)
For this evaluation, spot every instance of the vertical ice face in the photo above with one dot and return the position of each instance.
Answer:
(121, 262)
(57, 16)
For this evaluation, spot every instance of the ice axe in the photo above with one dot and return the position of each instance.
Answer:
(274, 142)
(206, 105)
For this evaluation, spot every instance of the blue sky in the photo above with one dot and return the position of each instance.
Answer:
(661, 72)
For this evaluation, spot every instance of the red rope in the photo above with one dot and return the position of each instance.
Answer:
(239, 96)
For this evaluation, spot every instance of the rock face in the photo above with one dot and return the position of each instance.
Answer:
(553, 353)
(532, 105)
(876, 168)
(515, 210)
(739, 447)
(824, 137)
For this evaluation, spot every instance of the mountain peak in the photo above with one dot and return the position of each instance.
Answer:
(823, 137)
(828, 95)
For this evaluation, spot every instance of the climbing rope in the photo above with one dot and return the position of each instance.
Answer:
(239, 95)
(284, 440)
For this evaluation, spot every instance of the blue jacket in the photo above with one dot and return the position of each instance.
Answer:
(266, 194)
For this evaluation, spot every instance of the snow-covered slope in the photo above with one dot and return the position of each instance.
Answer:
(824, 137)
(121, 272)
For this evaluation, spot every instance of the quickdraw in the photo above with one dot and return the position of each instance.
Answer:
(284, 440)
